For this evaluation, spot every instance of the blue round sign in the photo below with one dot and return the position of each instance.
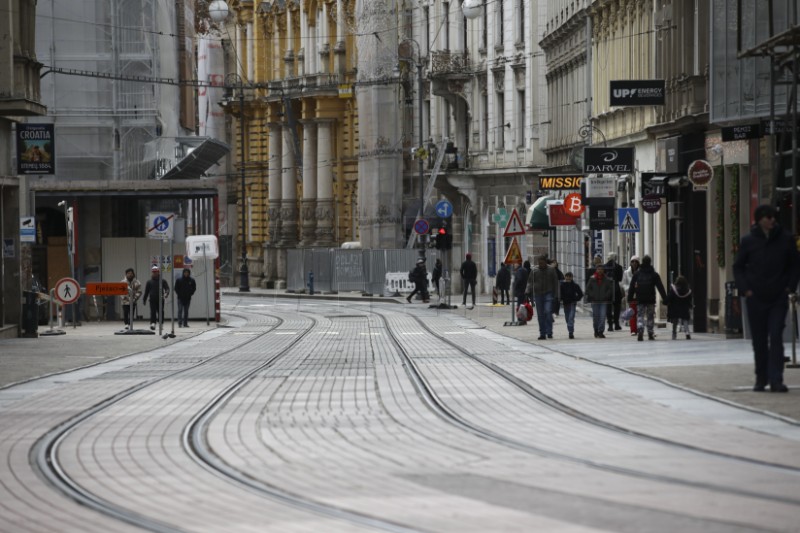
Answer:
(421, 226)
(161, 223)
(444, 209)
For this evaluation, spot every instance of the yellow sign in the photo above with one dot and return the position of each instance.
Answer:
(513, 255)
(345, 91)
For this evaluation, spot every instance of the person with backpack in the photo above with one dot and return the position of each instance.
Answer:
(419, 277)
(503, 284)
(767, 269)
(571, 294)
(644, 285)
(679, 306)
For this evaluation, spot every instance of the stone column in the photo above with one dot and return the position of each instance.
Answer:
(325, 206)
(309, 203)
(289, 212)
(274, 207)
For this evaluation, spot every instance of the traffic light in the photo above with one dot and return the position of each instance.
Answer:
(444, 241)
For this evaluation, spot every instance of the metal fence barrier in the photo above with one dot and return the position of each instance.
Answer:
(336, 270)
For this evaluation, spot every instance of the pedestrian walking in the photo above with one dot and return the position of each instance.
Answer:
(469, 278)
(767, 269)
(614, 272)
(679, 306)
(560, 275)
(520, 286)
(156, 296)
(599, 293)
(543, 286)
(436, 275)
(503, 283)
(419, 276)
(570, 294)
(627, 276)
(134, 293)
(644, 284)
(185, 287)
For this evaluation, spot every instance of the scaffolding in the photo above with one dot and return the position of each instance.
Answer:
(782, 48)
(104, 124)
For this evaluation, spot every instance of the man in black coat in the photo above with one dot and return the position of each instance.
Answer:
(643, 289)
(469, 278)
(521, 282)
(614, 272)
(503, 283)
(185, 287)
(767, 270)
(419, 277)
(156, 300)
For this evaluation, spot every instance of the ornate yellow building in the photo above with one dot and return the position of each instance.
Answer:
(295, 63)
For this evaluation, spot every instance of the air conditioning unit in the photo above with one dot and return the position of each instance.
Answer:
(675, 210)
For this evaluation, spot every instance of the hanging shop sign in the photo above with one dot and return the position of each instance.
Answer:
(650, 203)
(739, 133)
(700, 173)
(601, 218)
(558, 215)
(601, 187)
(35, 149)
(601, 160)
(573, 204)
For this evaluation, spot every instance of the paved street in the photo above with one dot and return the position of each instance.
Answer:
(351, 414)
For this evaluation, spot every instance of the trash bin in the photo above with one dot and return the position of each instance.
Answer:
(733, 309)
(30, 315)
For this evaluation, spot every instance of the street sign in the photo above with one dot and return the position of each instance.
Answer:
(601, 187)
(201, 247)
(501, 217)
(514, 226)
(107, 289)
(700, 173)
(514, 255)
(628, 220)
(421, 226)
(67, 291)
(27, 229)
(160, 226)
(444, 209)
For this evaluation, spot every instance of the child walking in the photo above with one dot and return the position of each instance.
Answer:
(679, 306)
(571, 294)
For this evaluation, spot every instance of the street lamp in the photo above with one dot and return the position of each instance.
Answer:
(586, 130)
(419, 65)
(218, 11)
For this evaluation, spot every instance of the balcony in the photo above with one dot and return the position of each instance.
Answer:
(19, 91)
(450, 65)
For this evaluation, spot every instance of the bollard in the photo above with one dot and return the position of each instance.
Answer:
(311, 283)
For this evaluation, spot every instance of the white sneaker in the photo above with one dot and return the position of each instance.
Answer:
(152, 326)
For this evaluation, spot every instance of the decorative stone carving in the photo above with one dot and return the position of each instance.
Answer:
(498, 76)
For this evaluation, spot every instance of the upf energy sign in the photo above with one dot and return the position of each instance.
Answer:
(160, 226)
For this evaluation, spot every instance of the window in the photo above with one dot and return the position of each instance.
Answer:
(500, 127)
(446, 24)
(485, 123)
(499, 24)
(520, 118)
(485, 27)
(521, 19)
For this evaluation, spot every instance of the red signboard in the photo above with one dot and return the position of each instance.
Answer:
(559, 216)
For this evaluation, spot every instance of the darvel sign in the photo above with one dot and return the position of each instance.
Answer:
(601, 160)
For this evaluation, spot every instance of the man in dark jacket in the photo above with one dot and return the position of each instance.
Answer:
(767, 269)
(543, 285)
(503, 283)
(521, 282)
(643, 289)
(185, 287)
(469, 278)
(156, 296)
(571, 294)
(436, 275)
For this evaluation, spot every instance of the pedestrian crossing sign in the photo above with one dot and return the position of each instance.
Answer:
(628, 218)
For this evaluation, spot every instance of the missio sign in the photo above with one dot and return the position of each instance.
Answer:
(700, 173)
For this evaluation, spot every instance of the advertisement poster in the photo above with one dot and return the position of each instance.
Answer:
(35, 149)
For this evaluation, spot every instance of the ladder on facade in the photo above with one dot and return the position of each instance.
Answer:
(429, 187)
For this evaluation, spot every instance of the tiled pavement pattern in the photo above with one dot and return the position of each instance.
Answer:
(337, 419)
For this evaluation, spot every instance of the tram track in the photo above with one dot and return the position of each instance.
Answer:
(45, 452)
(429, 395)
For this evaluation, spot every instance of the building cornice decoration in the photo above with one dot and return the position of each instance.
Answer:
(499, 79)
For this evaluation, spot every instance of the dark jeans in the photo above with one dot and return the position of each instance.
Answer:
(613, 309)
(569, 315)
(420, 288)
(154, 311)
(544, 312)
(504, 297)
(469, 284)
(766, 326)
(126, 312)
(183, 311)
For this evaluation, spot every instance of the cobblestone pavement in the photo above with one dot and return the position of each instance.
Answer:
(358, 414)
